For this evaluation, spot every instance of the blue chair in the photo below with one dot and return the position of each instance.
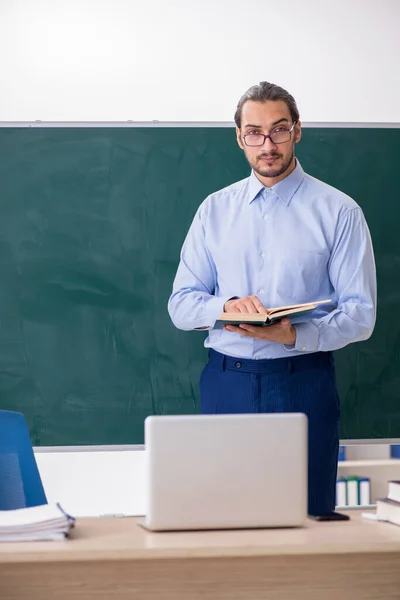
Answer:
(20, 483)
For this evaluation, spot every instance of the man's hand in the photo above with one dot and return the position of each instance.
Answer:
(248, 304)
(282, 332)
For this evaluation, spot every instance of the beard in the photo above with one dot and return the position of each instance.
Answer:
(265, 170)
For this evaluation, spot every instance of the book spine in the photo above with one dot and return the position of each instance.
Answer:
(395, 450)
(342, 453)
(364, 491)
(341, 492)
(353, 498)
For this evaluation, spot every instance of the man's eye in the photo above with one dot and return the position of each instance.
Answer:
(279, 130)
(253, 132)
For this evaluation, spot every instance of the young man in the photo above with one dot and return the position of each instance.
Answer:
(279, 237)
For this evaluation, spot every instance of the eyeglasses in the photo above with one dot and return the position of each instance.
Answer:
(280, 135)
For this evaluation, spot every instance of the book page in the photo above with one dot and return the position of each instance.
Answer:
(292, 311)
(242, 317)
(312, 305)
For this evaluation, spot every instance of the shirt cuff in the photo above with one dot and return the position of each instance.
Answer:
(215, 306)
(307, 337)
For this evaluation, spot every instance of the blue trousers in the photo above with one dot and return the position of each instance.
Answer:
(304, 383)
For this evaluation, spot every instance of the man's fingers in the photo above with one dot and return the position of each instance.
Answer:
(232, 328)
(282, 332)
(238, 329)
(250, 304)
(259, 306)
(255, 305)
(279, 325)
(244, 306)
(253, 330)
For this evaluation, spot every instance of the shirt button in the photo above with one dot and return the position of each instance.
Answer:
(264, 254)
(262, 292)
(304, 348)
(268, 190)
(266, 217)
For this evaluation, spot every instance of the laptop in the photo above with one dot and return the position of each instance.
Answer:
(225, 471)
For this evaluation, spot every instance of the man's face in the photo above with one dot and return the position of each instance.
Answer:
(269, 160)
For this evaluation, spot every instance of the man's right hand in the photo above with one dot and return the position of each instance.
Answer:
(248, 304)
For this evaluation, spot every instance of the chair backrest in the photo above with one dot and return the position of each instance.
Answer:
(20, 483)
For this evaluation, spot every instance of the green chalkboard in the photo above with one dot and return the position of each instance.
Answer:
(91, 224)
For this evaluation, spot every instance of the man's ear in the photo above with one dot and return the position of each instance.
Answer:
(297, 130)
(239, 138)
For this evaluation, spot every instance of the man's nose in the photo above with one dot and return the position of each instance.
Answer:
(268, 143)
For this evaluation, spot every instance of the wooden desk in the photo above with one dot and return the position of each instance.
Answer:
(115, 559)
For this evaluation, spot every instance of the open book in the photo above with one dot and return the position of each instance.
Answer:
(273, 315)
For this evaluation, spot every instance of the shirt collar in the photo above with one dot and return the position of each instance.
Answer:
(285, 189)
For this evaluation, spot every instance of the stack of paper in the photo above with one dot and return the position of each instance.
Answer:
(388, 509)
(46, 522)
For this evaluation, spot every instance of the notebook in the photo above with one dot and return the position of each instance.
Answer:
(45, 522)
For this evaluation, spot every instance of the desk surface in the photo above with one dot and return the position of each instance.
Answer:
(110, 539)
(115, 559)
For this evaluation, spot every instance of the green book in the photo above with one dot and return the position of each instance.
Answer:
(353, 491)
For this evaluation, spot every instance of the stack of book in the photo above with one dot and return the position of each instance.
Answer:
(353, 491)
(388, 509)
(45, 522)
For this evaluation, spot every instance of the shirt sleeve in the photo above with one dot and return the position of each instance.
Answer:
(353, 277)
(193, 303)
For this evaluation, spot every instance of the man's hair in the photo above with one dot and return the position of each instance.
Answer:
(263, 92)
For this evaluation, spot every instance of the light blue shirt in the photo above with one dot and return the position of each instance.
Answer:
(298, 241)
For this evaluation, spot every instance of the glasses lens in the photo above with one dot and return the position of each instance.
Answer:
(278, 137)
(254, 140)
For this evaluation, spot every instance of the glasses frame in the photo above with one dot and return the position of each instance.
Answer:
(268, 135)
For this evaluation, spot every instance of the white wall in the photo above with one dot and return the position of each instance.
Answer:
(94, 483)
(180, 60)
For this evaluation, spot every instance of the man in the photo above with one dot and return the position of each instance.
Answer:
(279, 237)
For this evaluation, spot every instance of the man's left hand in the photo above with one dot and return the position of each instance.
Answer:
(282, 332)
